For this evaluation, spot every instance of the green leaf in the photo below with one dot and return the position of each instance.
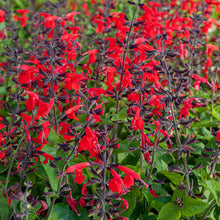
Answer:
(215, 112)
(206, 124)
(54, 139)
(122, 115)
(174, 177)
(4, 113)
(131, 197)
(169, 212)
(3, 90)
(192, 206)
(62, 211)
(4, 207)
(214, 187)
(51, 173)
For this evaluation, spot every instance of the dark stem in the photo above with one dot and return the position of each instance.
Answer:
(208, 209)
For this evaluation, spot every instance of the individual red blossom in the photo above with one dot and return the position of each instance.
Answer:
(125, 204)
(92, 57)
(23, 18)
(132, 173)
(153, 193)
(27, 118)
(100, 26)
(2, 13)
(72, 203)
(210, 48)
(42, 208)
(199, 79)
(71, 112)
(49, 21)
(64, 131)
(44, 108)
(84, 190)
(70, 16)
(44, 133)
(72, 81)
(47, 157)
(137, 122)
(218, 136)
(79, 178)
(82, 201)
(2, 155)
(90, 142)
(32, 100)
(116, 184)
(147, 157)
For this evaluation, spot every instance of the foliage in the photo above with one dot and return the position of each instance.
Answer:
(109, 109)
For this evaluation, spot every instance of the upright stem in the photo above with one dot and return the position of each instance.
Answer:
(208, 209)
(178, 141)
(153, 155)
(123, 67)
(12, 161)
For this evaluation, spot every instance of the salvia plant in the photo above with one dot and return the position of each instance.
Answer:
(109, 109)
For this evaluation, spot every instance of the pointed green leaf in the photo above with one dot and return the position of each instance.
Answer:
(174, 177)
(169, 212)
(192, 206)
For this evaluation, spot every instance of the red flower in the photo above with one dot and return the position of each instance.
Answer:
(79, 178)
(2, 155)
(153, 193)
(218, 136)
(125, 204)
(32, 100)
(23, 18)
(131, 175)
(71, 112)
(116, 183)
(2, 13)
(42, 208)
(47, 157)
(90, 142)
(137, 122)
(44, 108)
(72, 203)
(199, 79)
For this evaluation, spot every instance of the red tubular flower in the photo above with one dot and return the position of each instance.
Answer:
(42, 208)
(2, 13)
(79, 178)
(71, 112)
(116, 183)
(218, 136)
(125, 204)
(131, 175)
(72, 203)
(23, 18)
(90, 142)
(2, 155)
(137, 122)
